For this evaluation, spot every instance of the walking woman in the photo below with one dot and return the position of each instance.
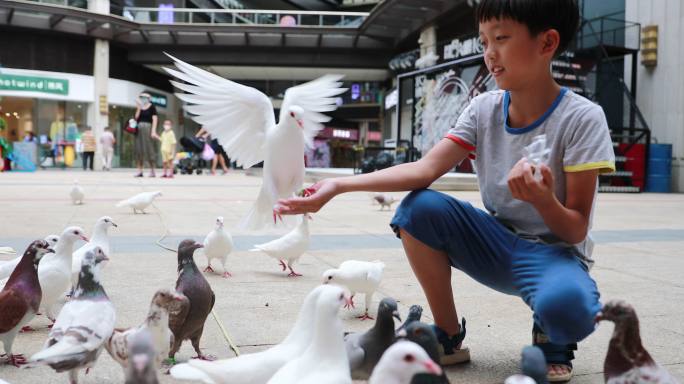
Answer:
(145, 147)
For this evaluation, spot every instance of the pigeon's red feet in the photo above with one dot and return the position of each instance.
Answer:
(208, 269)
(350, 304)
(26, 328)
(282, 264)
(16, 360)
(365, 316)
(51, 325)
(293, 273)
(205, 357)
(277, 216)
(226, 275)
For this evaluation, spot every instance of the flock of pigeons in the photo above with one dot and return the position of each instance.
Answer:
(316, 350)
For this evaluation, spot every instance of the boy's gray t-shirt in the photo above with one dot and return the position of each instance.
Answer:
(576, 133)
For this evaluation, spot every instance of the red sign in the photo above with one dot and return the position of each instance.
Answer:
(374, 136)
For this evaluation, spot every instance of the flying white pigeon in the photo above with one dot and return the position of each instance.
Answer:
(401, 362)
(289, 247)
(325, 360)
(384, 200)
(83, 324)
(99, 238)
(6, 267)
(156, 324)
(217, 245)
(140, 201)
(357, 276)
(54, 270)
(256, 368)
(242, 120)
(77, 194)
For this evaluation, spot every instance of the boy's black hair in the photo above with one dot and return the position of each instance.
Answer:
(537, 15)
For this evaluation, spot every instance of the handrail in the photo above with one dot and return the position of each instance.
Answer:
(243, 11)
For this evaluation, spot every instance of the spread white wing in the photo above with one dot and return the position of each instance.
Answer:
(314, 97)
(237, 115)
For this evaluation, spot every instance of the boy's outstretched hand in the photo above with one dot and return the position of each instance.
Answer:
(524, 187)
(315, 197)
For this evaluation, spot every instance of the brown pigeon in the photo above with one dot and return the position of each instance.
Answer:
(627, 361)
(20, 299)
(186, 320)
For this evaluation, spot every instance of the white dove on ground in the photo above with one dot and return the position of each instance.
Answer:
(401, 362)
(99, 238)
(218, 245)
(6, 267)
(288, 248)
(357, 276)
(384, 200)
(242, 120)
(83, 325)
(54, 270)
(77, 194)
(140, 201)
(325, 360)
(156, 324)
(256, 368)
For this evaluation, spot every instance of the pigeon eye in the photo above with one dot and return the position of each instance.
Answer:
(292, 114)
(341, 296)
(409, 358)
(329, 277)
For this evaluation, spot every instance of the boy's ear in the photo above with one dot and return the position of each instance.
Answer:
(550, 40)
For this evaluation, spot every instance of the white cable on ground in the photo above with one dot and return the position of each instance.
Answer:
(213, 313)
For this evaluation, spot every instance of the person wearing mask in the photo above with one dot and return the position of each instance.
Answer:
(145, 148)
(89, 146)
(168, 148)
(107, 140)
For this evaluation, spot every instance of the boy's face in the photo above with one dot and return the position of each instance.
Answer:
(513, 56)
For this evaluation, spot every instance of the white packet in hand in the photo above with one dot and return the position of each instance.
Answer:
(537, 154)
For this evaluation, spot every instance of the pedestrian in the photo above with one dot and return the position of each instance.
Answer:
(168, 148)
(219, 152)
(532, 241)
(89, 146)
(107, 140)
(144, 146)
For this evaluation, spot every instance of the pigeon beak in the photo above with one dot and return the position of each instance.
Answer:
(49, 250)
(433, 368)
(300, 123)
(177, 297)
(402, 333)
(599, 317)
(84, 238)
(114, 224)
(395, 314)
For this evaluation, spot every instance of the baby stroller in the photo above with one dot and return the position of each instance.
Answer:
(191, 160)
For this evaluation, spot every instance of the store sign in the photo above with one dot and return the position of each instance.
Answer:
(104, 106)
(391, 99)
(34, 84)
(457, 48)
(157, 99)
(338, 133)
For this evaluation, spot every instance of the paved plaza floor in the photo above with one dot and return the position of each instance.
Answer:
(639, 257)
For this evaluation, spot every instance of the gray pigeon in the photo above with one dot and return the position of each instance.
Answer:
(415, 313)
(627, 361)
(142, 355)
(365, 350)
(533, 367)
(423, 335)
(186, 320)
(83, 324)
(20, 298)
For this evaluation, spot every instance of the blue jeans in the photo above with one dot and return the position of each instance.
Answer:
(550, 279)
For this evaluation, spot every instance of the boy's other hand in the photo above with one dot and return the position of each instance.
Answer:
(318, 195)
(524, 187)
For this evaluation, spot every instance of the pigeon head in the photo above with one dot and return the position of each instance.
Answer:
(157, 193)
(297, 114)
(330, 299)
(186, 249)
(405, 359)
(617, 311)
(419, 333)
(142, 355)
(52, 240)
(74, 233)
(89, 279)
(533, 364)
(388, 307)
(106, 222)
(415, 312)
(94, 257)
(165, 298)
(329, 276)
(37, 249)
(219, 222)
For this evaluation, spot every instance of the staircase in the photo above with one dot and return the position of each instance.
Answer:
(595, 69)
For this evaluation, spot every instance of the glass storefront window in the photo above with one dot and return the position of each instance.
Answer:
(124, 155)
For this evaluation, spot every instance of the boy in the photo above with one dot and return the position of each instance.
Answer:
(533, 241)
(168, 149)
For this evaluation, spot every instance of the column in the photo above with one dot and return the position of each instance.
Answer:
(99, 118)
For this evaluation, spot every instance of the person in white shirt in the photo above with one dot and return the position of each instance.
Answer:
(107, 140)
